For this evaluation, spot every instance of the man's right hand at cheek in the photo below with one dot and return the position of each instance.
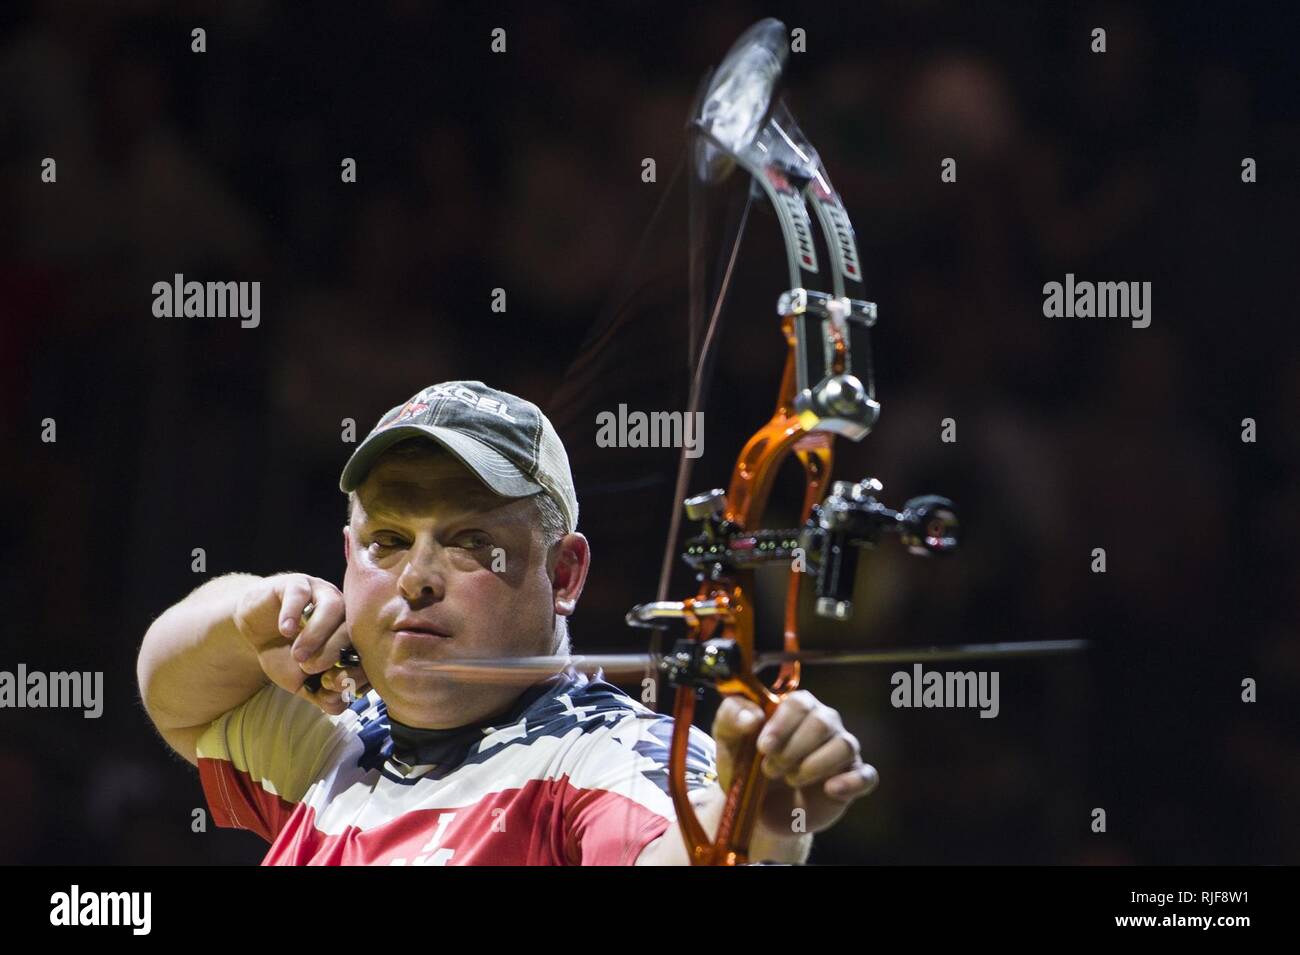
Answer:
(291, 646)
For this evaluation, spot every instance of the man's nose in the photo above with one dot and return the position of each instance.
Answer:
(421, 578)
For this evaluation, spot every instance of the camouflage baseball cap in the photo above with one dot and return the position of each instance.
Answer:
(506, 441)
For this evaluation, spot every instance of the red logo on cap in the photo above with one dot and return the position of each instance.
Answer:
(412, 409)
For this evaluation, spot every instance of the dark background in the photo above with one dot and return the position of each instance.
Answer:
(522, 171)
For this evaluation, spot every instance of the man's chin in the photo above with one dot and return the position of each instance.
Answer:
(419, 678)
(435, 699)
(425, 708)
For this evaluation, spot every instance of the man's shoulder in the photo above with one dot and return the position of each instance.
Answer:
(589, 703)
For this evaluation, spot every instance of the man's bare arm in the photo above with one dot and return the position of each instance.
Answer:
(229, 638)
(194, 665)
(670, 848)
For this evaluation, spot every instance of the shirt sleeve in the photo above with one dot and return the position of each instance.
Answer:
(256, 761)
(618, 800)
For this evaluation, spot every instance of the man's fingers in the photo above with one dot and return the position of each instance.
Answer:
(785, 720)
(295, 595)
(322, 627)
(338, 679)
(857, 782)
(737, 718)
(328, 653)
(815, 729)
(831, 758)
(339, 688)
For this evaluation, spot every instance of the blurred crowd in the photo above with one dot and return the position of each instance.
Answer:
(522, 171)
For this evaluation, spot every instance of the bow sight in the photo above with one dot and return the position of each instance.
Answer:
(827, 547)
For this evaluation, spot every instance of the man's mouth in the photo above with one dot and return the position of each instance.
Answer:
(417, 628)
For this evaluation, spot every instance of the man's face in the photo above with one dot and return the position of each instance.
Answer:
(440, 568)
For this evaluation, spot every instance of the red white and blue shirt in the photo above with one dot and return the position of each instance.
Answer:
(574, 773)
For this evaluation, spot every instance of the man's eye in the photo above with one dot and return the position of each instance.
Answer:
(386, 542)
(473, 540)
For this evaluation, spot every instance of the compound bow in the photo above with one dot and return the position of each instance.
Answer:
(827, 389)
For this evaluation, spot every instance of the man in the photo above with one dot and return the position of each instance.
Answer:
(461, 542)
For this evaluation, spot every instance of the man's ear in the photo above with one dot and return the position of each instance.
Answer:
(347, 544)
(571, 563)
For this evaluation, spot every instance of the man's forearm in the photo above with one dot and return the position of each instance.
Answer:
(670, 848)
(794, 848)
(194, 665)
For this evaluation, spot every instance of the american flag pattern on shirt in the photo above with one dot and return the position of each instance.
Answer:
(580, 778)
